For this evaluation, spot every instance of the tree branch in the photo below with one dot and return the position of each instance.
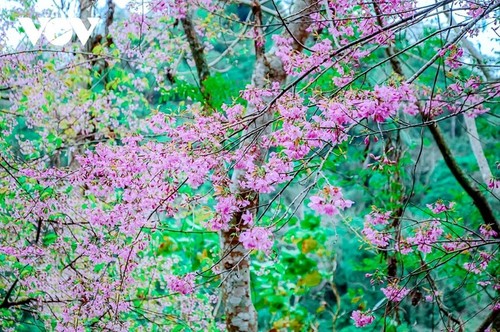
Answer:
(493, 317)
(7, 304)
(478, 198)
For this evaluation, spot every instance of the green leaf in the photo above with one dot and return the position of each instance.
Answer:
(49, 239)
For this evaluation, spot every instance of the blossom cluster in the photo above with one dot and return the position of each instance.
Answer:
(183, 285)
(259, 238)
(101, 181)
(374, 235)
(362, 319)
(426, 236)
(330, 201)
(395, 293)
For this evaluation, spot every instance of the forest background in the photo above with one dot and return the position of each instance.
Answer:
(244, 165)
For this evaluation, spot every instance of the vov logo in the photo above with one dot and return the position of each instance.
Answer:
(58, 31)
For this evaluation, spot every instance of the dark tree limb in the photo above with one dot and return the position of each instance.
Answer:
(493, 318)
(477, 196)
(7, 304)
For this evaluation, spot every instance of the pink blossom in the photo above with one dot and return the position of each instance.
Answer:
(430, 297)
(330, 202)
(471, 267)
(106, 206)
(378, 218)
(225, 207)
(362, 318)
(494, 183)
(454, 245)
(184, 285)
(319, 205)
(487, 231)
(480, 265)
(485, 259)
(264, 179)
(455, 87)
(247, 218)
(453, 59)
(426, 236)
(450, 246)
(259, 238)
(440, 207)
(404, 247)
(379, 239)
(394, 293)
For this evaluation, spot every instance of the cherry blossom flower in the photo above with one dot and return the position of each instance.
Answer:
(375, 236)
(430, 297)
(184, 285)
(440, 207)
(471, 267)
(403, 247)
(454, 245)
(247, 218)
(426, 236)
(133, 183)
(379, 239)
(493, 183)
(487, 231)
(395, 293)
(480, 265)
(378, 218)
(330, 202)
(362, 318)
(259, 238)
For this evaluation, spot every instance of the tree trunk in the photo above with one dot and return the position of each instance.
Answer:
(236, 288)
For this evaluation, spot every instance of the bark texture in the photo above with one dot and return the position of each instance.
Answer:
(477, 149)
(197, 49)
